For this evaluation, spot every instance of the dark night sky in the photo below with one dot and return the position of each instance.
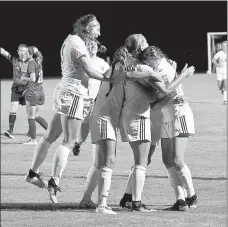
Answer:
(179, 28)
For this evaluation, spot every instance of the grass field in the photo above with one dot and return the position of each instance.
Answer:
(24, 205)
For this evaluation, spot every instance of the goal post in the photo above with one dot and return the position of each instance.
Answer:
(212, 39)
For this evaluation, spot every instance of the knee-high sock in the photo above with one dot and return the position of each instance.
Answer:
(129, 182)
(138, 179)
(39, 154)
(176, 183)
(59, 162)
(12, 119)
(91, 182)
(104, 184)
(32, 128)
(186, 179)
(42, 122)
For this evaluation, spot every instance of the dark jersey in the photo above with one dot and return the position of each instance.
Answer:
(17, 70)
(34, 88)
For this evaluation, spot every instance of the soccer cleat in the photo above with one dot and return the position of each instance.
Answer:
(9, 134)
(192, 202)
(76, 149)
(138, 206)
(36, 180)
(30, 142)
(224, 103)
(180, 205)
(52, 189)
(87, 205)
(104, 210)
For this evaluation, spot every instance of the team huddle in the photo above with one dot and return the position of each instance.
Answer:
(139, 94)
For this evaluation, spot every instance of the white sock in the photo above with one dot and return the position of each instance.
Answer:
(138, 179)
(40, 154)
(186, 179)
(60, 161)
(176, 183)
(91, 182)
(104, 184)
(224, 95)
(129, 182)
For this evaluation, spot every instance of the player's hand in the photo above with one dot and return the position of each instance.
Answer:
(187, 71)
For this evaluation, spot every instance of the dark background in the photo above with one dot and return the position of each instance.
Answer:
(178, 28)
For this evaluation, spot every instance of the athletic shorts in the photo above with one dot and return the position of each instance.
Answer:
(88, 108)
(65, 102)
(221, 76)
(181, 125)
(156, 122)
(221, 73)
(16, 94)
(37, 100)
(135, 116)
(135, 129)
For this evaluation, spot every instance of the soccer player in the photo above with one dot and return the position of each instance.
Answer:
(69, 98)
(18, 86)
(220, 62)
(34, 95)
(177, 126)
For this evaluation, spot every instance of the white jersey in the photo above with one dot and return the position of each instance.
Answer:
(170, 110)
(74, 77)
(221, 57)
(101, 66)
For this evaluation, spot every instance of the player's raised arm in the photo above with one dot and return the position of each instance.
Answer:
(168, 88)
(5, 54)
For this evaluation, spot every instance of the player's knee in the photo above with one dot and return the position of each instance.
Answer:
(110, 161)
(167, 162)
(178, 163)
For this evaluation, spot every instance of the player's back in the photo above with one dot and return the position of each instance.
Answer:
(33, 88)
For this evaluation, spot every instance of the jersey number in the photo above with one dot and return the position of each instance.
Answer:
(40, 80)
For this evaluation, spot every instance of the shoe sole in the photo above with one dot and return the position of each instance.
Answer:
(9, 135)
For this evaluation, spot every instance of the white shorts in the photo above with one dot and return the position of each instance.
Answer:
(135, 117)
(135, 129)
(65, 102)
(107, 120)
(221, 76)
(180, 125)
(156, 122)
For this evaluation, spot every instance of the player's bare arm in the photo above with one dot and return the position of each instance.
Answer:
(90, 71)
(168, 88)
(5, 54)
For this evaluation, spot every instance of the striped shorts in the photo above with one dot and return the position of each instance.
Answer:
(135, 129)
(180, 126)
(67, 103)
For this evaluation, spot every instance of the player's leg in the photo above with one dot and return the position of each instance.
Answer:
(43, 123)
(224, 90)
(52, 134)
(140, 151)
(92, 178)
(107, 148)
(183, 170)
(71, 127)
(13, 112)
(71, 120)
(31, 103)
